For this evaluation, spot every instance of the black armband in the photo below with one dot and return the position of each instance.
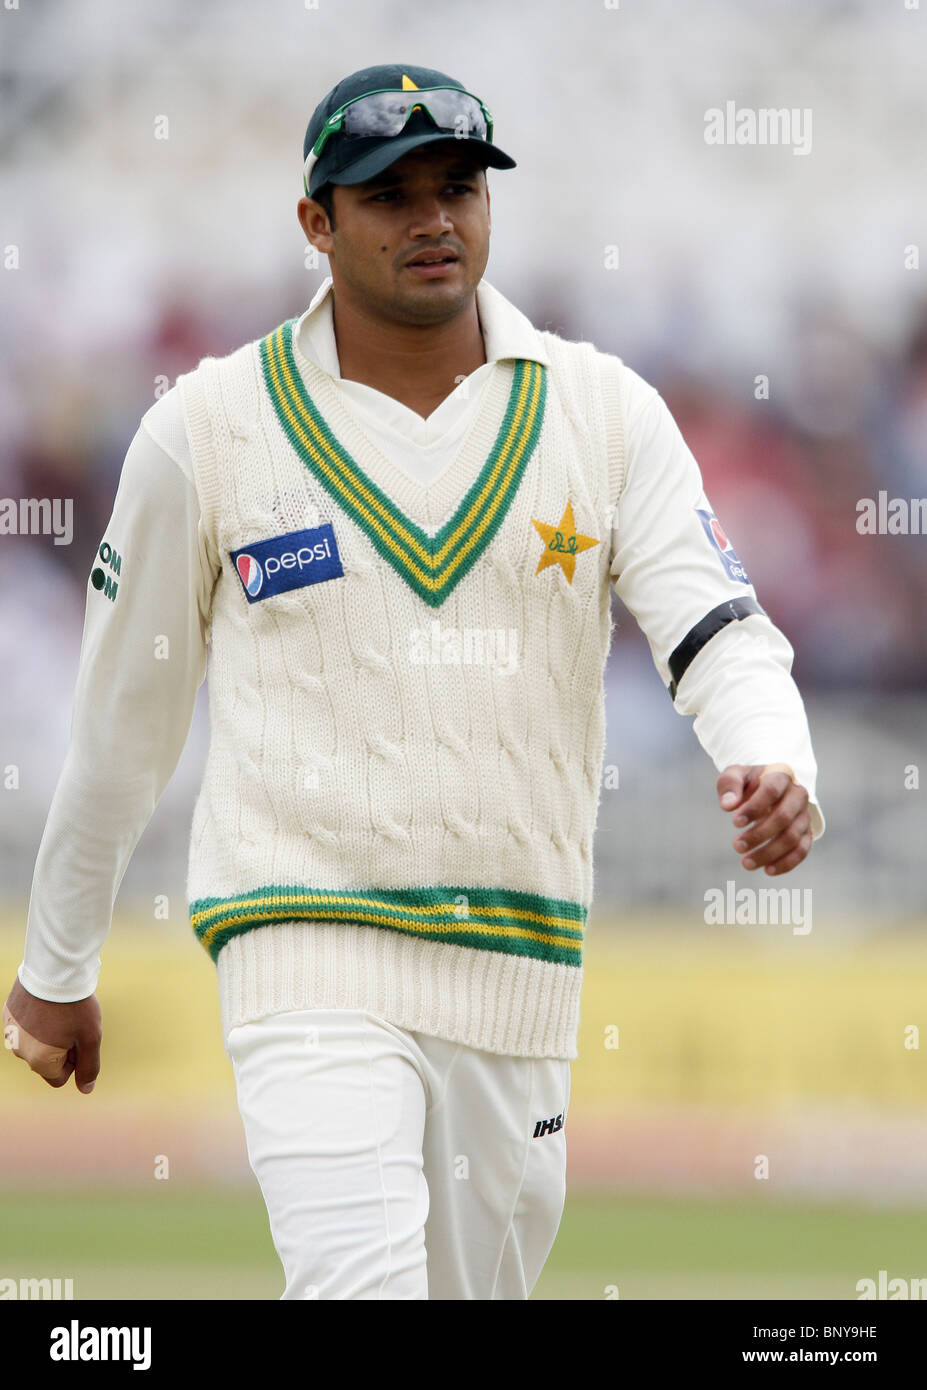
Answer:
(693, 642)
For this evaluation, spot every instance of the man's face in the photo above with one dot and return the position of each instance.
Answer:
(434, 198)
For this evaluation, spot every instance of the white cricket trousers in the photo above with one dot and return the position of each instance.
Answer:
(395, 1165)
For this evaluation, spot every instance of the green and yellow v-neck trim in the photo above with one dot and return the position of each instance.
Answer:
(431, 565)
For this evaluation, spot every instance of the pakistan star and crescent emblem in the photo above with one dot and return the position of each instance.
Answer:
(562, 543)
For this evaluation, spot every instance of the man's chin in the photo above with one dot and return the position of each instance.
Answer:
(432, 300)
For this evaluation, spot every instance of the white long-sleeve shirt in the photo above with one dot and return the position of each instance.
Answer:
(133, 709)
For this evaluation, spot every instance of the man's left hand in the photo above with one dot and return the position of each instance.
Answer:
(771, 815)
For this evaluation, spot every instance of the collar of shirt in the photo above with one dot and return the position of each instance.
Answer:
(507, 333)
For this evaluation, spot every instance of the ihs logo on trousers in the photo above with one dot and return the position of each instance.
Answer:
(562, 543)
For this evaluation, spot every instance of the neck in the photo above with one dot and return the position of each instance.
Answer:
(418, 364)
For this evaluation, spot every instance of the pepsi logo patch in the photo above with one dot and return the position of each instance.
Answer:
(726, 552)
(292, 561)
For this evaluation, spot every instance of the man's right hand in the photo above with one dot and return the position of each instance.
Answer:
(55, 1039)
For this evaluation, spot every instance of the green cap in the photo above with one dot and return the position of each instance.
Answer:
(353, 158)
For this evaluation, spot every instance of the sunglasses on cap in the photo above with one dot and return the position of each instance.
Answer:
(385, 113)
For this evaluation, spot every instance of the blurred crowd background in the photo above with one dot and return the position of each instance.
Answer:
(127, 256)
(141, 252)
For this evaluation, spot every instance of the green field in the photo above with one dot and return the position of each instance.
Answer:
(191, 1244)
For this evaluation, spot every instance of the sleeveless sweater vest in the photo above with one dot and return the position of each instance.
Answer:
(406, 742)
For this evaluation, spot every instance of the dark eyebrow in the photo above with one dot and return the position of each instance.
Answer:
(389, 179)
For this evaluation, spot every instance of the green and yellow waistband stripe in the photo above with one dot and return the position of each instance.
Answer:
(493, 919)
(431, 565)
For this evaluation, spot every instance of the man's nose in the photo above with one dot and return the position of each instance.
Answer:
(430, 213)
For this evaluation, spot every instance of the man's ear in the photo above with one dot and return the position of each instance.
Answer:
(314, 221)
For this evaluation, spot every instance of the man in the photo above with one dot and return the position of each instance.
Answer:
(390, 857)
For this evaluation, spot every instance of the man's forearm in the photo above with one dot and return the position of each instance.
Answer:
(747, 707)
(96, 819)
(143, 658)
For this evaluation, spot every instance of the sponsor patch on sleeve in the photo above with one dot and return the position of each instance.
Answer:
(726, 552)
(105, 576)
(281, 563)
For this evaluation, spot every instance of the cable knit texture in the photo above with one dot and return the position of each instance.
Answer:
(399, 802)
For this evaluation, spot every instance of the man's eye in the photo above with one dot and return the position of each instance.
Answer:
(395, 192)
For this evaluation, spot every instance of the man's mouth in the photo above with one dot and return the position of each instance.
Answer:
(431, 264)
(433, 257)
(432, 267)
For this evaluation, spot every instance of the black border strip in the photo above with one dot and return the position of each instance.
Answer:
(729, 612)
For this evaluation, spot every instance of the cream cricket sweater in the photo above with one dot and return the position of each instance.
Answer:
(400, 796)
(492, 768)
(406, 697)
